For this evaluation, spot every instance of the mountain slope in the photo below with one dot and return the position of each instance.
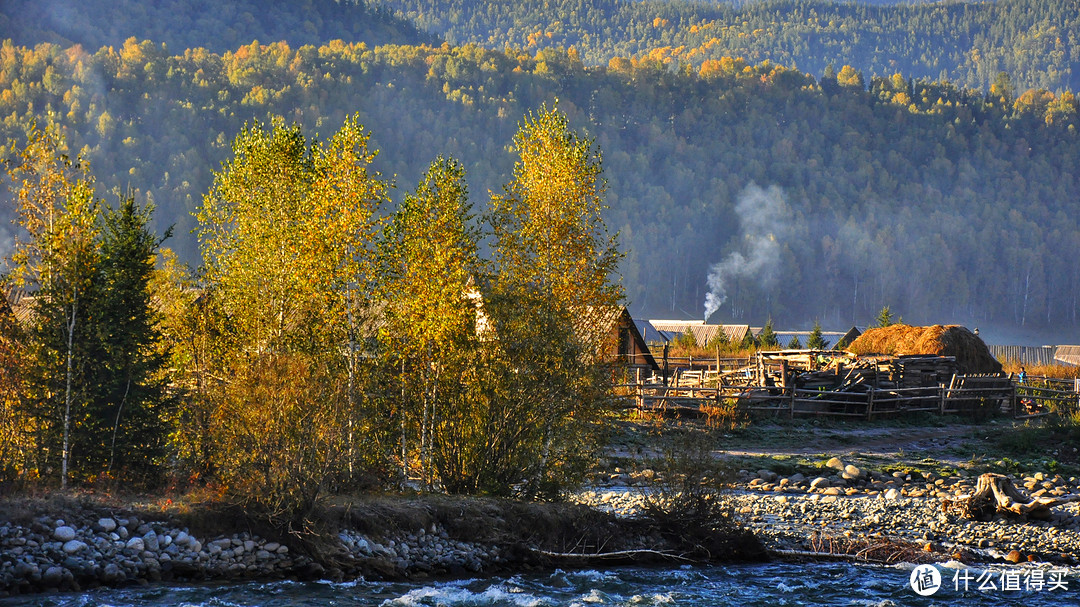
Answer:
(803, 199)
(1034, 41)
(217, 25)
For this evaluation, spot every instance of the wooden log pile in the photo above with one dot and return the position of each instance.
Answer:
(922, 371)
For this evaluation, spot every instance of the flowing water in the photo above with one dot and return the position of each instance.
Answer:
(739, 585)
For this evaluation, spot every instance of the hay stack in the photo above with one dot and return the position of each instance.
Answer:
(972, 355)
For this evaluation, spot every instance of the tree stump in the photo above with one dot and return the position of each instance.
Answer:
(995, 493)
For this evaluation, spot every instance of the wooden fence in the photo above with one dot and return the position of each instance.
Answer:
(1025, 355)
(969, 398)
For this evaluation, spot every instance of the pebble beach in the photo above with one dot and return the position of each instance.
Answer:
(795, 513)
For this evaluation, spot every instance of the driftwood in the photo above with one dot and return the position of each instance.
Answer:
(995, 493)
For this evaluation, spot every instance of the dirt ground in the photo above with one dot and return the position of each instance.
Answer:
(937, 444)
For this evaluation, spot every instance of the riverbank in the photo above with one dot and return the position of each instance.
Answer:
(880, 501)
(85, 542)
(844, 509)
(74, 543)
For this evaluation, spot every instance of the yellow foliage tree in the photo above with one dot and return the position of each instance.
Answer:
(288, 234)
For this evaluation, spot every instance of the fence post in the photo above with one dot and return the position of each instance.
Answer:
(791, 415)
(943, 393)
(869, 404)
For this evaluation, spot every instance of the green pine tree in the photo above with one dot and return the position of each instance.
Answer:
(768, 339)
(816, 341)
(126, 384)
(884, 318)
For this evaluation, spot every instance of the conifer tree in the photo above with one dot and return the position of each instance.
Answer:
(768, 339)
(816, 341)
(127, 384)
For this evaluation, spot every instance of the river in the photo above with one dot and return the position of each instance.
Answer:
(740, 585)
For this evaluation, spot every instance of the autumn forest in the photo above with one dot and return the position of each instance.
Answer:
(921, 156)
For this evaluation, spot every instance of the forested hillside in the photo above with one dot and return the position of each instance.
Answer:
(211, 24)
(824, 199)
(969, 43)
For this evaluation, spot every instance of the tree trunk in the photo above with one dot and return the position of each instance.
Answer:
(67, 392)
(996, 493)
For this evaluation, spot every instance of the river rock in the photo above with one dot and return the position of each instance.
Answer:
(835, 464)
(53, 576)
(852, 471)
(892, 494)
(112, 573)
(819, 483)
(106, 524)
(136, 544)
(74, 546)
(64, 533)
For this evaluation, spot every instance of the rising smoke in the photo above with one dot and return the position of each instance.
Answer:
(765, 220)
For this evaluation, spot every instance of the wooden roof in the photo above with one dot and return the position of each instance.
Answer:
(17, 303)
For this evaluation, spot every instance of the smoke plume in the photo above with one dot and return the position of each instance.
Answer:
(764, 217)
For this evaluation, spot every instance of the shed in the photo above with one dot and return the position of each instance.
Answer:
(852, 334)
(623, 340)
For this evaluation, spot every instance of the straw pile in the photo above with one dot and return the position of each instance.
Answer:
(972, 355)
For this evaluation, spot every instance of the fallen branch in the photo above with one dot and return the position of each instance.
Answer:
(615, 555)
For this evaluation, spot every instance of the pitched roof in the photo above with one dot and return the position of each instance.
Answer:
(703, 333)
(1069, 355)
(19, 303)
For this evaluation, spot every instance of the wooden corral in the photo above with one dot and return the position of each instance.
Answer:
(792, 383)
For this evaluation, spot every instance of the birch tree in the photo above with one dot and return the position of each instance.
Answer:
(287, 234)
(432, 263)
(55, 258)
(554, 266)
